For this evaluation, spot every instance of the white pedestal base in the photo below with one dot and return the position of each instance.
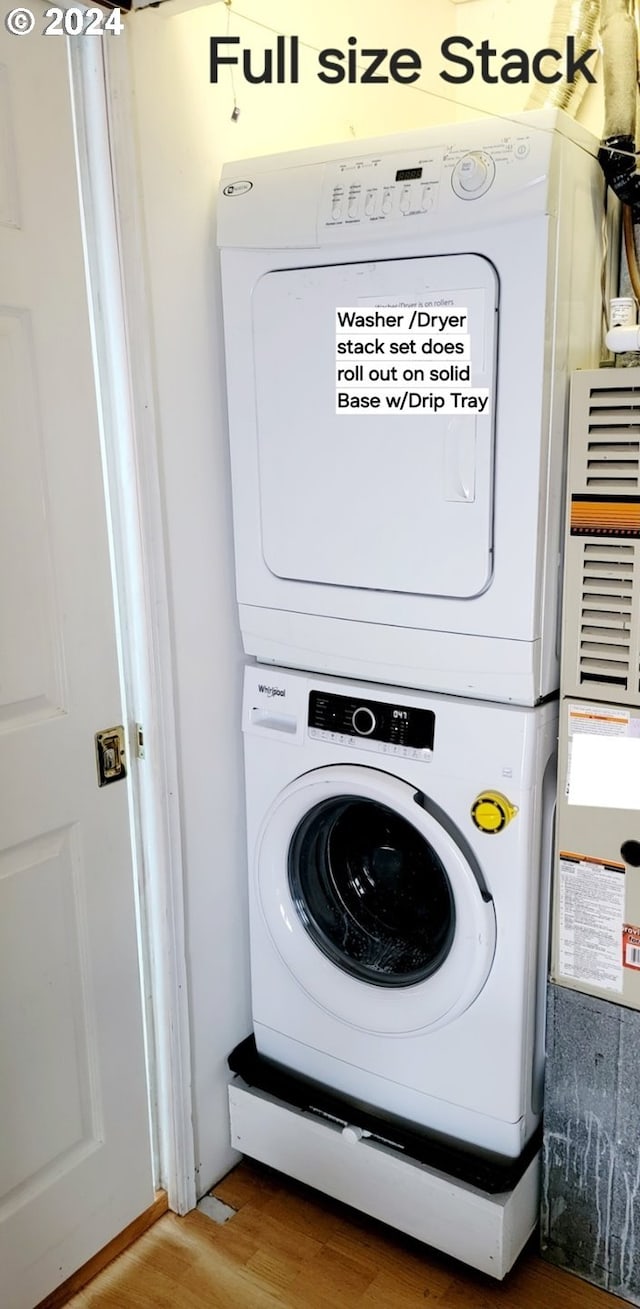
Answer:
(485, 1231)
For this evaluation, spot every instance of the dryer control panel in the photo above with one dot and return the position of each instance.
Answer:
(392, 187)
(437, 179)
(388, 728)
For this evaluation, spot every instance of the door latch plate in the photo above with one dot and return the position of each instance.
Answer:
(110, 755)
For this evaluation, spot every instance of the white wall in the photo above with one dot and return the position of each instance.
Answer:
(518, 23)
(185, 131)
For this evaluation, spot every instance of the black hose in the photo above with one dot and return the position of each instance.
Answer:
(617, 158)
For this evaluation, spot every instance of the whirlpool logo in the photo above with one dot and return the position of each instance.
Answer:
(270, 690)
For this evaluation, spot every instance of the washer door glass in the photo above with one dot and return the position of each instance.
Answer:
(371, 892)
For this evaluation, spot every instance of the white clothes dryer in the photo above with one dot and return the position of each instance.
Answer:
(416, 548)
(399, 851)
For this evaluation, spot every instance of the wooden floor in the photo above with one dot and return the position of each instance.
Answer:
(289, 1246)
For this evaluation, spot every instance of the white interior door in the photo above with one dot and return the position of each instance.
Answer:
(75, 1160)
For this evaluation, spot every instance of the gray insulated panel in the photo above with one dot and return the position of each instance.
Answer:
(590, 1219)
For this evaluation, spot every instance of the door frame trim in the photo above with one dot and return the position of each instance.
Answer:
(121, 330)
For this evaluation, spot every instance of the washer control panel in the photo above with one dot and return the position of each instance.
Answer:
(373, 724)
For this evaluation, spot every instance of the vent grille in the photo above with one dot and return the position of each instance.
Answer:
(613, 445)
(601, 606)
(605, 617)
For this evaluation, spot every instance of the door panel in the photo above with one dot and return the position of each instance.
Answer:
(30, 645)
(75, 1160)
(379, 501)
(52, 1028)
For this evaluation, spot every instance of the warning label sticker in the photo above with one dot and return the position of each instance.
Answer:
(602, 720)
(594, 720)
(591, 915)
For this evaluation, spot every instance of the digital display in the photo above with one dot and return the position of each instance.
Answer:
(408, 174)
(398, 724)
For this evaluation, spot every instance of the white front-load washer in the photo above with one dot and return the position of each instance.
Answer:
(418, 548)
(399, 852)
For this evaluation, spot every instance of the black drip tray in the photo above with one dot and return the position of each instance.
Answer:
(489, 1175)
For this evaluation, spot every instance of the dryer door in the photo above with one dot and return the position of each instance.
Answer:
(375, 903)
(378, 500)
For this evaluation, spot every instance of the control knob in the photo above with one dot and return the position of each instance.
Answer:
(363, 720)
(473, 175)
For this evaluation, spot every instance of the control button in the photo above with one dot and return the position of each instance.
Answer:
(492, 812)
(363, 720)
(427, 199)
(387, 202)
(473, 175)
(521, 149)
(336, 210)
(405, 199)
(370, 203)
(352, 207)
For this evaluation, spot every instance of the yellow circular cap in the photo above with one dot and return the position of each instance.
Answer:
(491, 811)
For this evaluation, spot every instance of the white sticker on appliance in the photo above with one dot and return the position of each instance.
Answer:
(591, 916)
(593, 720)
(605, 772)
(422, 357)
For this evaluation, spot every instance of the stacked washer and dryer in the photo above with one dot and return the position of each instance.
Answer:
(398, 588)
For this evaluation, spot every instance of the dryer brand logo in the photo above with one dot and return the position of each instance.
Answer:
(271, 691)
(237, 188)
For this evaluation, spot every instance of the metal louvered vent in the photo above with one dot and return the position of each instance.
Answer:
(600, 655)
(605, 619)
(613, 446)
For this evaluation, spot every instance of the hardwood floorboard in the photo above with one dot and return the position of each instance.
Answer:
(288, 1247)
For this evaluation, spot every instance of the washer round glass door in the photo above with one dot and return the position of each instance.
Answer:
(371, 891)
(374, 902)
